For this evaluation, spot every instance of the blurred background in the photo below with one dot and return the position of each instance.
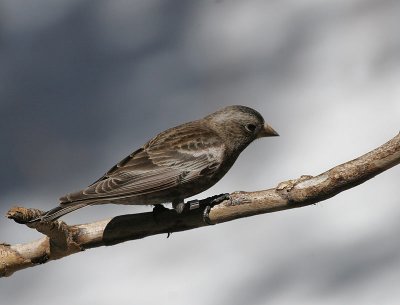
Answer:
(84, 83)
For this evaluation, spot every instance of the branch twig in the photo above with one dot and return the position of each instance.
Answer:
(61, 240)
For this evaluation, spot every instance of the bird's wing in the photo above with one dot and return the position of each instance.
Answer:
(176, 156)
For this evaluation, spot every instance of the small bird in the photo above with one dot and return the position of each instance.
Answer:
(176, 164)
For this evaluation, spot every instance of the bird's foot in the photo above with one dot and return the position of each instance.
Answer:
(205, 204)
(217, 199)
(181, 207)
(209, 202)
(193, 204)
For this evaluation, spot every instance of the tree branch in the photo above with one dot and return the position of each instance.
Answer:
(61, 240)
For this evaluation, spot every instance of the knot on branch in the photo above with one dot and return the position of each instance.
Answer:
(61, 236)
(23, 215)
(286, 189)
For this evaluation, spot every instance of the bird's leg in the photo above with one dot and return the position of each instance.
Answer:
(193, 204)
(179, 205)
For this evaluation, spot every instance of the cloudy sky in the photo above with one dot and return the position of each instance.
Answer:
(84, 83)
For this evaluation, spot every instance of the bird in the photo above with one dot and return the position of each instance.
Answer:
(178, 163)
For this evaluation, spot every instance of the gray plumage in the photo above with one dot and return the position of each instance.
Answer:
(178, 163)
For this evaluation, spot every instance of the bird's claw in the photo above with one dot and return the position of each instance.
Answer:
(206, 203)
(209, 203)
(195, 204)
(206, 217)
(219, 198)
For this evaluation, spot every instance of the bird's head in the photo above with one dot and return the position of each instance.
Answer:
(239, 125)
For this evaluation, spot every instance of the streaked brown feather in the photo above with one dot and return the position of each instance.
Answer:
(175, 157)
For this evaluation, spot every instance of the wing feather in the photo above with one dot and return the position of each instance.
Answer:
(176, 156)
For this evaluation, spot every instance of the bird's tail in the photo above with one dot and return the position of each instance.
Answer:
(59, 211)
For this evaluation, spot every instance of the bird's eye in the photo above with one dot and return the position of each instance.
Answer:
(250, 127)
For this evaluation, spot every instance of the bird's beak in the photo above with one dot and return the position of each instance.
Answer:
(267, 131)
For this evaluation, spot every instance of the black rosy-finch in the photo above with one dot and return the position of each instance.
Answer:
(176, 164)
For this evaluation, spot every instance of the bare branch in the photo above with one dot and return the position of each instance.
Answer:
(62, 240)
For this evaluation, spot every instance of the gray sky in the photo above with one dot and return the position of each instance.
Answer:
(84, 83)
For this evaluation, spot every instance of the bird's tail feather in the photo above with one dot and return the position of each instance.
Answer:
(59, 211)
